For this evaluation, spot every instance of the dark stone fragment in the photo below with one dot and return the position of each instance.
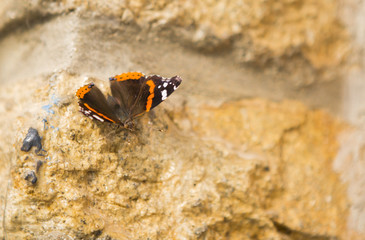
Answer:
(32, 139)
(97, 233)
(38, 165)
(31, 177)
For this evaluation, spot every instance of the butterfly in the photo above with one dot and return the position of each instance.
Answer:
(133, 94)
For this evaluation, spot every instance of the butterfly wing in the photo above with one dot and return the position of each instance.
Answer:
(93, 104)
(136, 94)
(153, 90)
(126, 90)
(159, 89)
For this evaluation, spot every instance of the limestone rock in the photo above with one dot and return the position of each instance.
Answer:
(238, 152)
(283, 34)
(261, 170)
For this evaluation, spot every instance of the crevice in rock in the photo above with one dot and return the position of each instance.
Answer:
(299, 235)
(281, 144)
(28, 21)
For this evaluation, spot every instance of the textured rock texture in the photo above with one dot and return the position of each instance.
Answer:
(238, 152)
(253, 176)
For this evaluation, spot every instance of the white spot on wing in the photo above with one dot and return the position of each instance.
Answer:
(165, 85)
(98, 118)
(164, 94)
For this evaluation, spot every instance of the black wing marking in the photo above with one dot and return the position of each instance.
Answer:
(163, 88)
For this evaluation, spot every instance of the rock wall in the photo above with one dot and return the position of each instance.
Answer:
(261, 141)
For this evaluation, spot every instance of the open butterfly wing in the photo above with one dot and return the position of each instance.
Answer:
(160, 88)
(127, 90)
(132, 95)
(93, 104)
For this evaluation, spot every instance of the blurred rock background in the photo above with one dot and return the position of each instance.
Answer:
(263, 140)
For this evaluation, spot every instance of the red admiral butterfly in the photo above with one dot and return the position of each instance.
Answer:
(133, 94)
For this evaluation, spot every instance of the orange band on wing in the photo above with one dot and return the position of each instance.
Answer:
(91, 109)
(82, 91)
(152, 94)
(129, 76)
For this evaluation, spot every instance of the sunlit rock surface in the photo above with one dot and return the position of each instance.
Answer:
(253, 145)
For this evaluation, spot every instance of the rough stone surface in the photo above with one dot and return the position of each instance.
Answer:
(227, 156)
(284, 34)
(262, 170)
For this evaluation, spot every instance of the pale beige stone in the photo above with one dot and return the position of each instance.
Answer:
(264, 166)
(226, 156)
